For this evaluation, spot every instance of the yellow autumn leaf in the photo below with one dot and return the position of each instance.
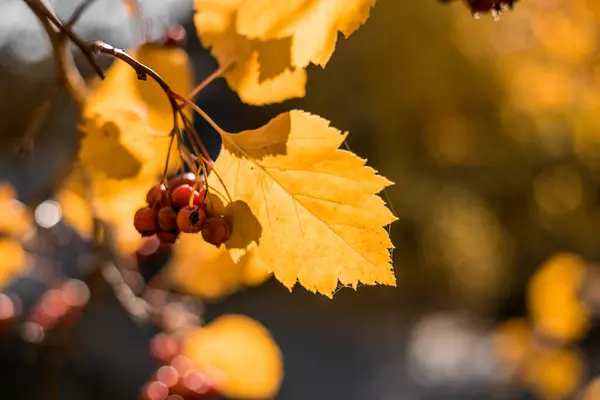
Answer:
(310, 208)
(240, 354)
(260, 72)
(209, 272)
(312, 25)
(125, 140)
(552, 298)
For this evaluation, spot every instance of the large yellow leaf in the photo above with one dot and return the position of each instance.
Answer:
(240, 354)
(126, 126)
(260, 72)
(312, 25)
(311, 208)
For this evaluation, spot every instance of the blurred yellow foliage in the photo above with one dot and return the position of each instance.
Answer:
(268, 43)
(555, 374)
(209, 272)
(126, 129)
(553, 301)
(592, 390)
(513, 343)
(311, 209)
(240, 354)
(13, 260)
(16, 219)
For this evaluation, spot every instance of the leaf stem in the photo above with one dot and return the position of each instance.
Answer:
(203, 114)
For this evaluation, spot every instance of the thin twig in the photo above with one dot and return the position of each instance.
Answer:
(142, 72)
(81, 8)
(208, 80)
(42, 9)
(25, 145)
(64, 58)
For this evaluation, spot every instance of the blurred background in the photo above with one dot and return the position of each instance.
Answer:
(488, 129)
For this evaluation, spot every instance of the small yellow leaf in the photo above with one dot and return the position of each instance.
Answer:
(552, 298)
(126, 127)
(243, 351)
(260, 71)
(313, 25)
(209, 272)
(311, 208)
(13, 260)
(16, 219)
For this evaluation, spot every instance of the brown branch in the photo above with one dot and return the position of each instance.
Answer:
(142, 72)
(77, 14)
(64, 58)
(39, 7)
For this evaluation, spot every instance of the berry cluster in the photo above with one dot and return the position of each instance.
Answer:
(178, 207)
(176, 378)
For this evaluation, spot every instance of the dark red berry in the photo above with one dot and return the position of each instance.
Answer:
(216, 230)
(168, 237)
(158, 196)
(145, 222)
(489, 5)
(187, 178)
(181, 196)
(190, 219)
(167, 219)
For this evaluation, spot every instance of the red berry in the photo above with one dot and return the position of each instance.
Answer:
(158, 196)
(167, 236)
(190, 219)
(167, 219)
(144, 221)
(186, 178)
(216, 230)
(181, 196)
